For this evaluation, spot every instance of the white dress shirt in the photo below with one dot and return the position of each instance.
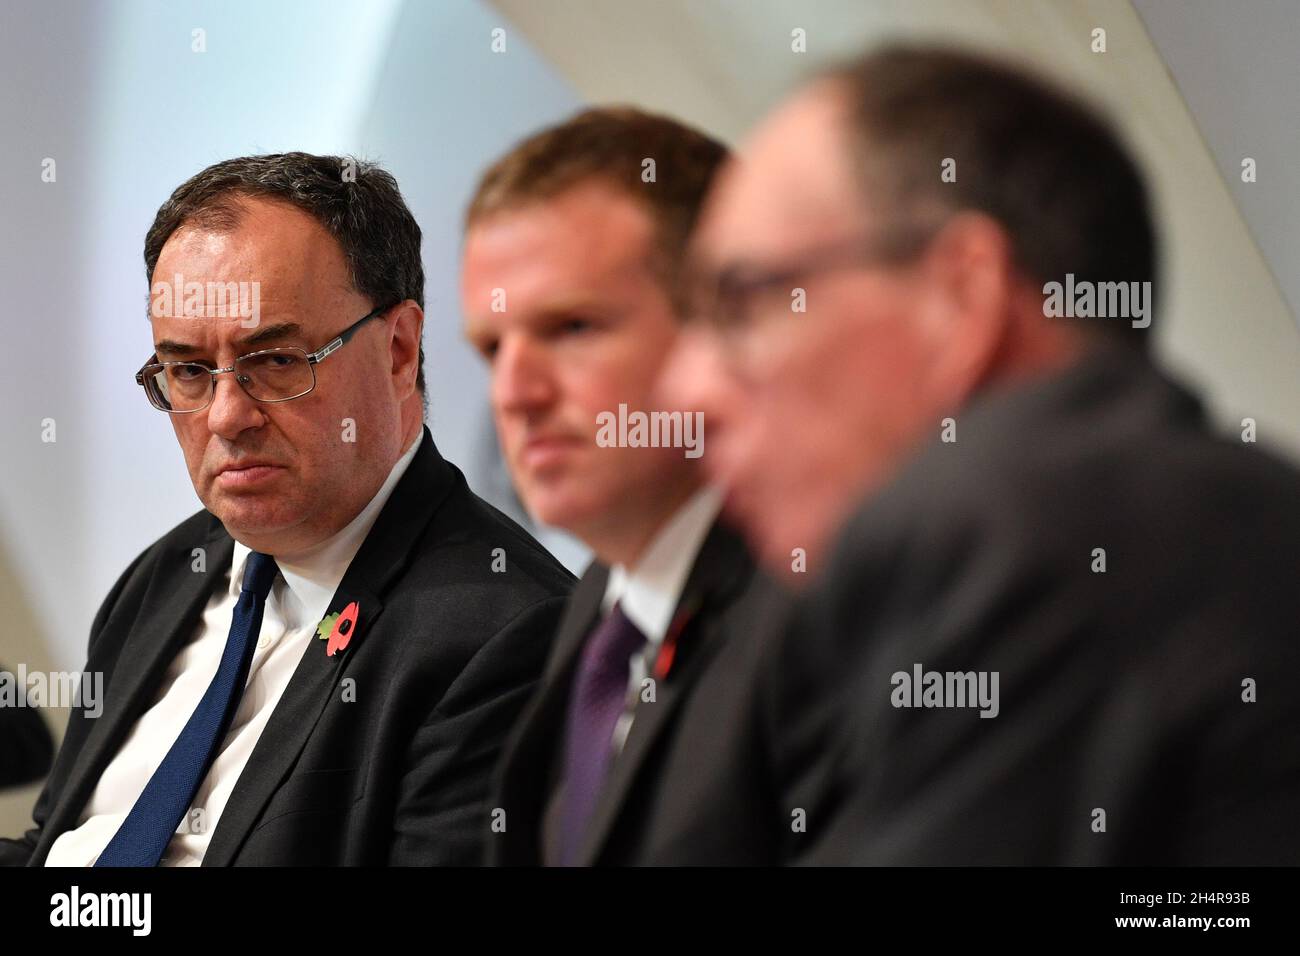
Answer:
(297, 602)
(650, 592)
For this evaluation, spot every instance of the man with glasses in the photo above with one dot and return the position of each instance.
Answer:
(1050, 618)
(319, 667)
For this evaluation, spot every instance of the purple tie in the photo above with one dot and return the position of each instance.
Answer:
(597, 700)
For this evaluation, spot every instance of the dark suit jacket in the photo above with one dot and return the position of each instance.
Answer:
(446, 652)
(691, 785)
(1119, 691)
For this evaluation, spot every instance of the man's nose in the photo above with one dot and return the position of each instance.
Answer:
(522, 379)
(232, 410)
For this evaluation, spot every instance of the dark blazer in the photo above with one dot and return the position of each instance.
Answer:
(691, 785)
(1120, 691)
(446, 652)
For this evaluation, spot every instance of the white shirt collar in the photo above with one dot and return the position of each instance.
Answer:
(314, 575)
(650, 592)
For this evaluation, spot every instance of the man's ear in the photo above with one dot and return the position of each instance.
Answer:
(404, 346)
(968, 271)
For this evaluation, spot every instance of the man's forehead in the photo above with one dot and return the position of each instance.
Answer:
(179, 337)
(211, 264)
(792, 177)
(208, 316)
(609, 224)
(269, 241)
(553, 252)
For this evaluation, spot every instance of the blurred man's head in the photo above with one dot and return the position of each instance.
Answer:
(571, 291)
(321, 242)
(878, 258)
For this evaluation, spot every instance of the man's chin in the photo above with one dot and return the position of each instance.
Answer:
(794, 553)
(555, 514)
(569, 513)
(248, 520)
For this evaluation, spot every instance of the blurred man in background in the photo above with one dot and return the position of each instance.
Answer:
(1051, 618)
(639, 746)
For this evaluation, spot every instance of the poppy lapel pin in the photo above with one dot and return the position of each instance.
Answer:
(338, 628)
(668, 649)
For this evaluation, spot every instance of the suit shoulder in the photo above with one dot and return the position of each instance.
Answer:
(478, 571)
(189, 534)
(468, 523)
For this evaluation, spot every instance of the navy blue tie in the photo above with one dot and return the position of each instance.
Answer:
(143, 836)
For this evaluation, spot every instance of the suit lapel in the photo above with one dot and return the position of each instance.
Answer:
(580, 616)
(532, 764)
(720, 568)
(404, 517)
(170, 611)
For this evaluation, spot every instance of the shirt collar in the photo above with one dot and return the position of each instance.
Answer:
(313, 575)
(649, 593)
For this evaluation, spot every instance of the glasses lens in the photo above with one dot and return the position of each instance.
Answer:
(178, 388)
(276, 375)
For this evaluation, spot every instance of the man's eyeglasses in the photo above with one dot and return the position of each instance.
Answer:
(270, 375)
(729, 299)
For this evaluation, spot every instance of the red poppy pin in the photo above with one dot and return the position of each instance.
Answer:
(339, 628)
(668, 649)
